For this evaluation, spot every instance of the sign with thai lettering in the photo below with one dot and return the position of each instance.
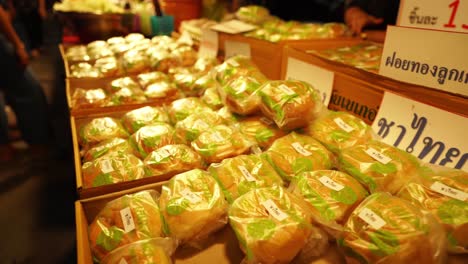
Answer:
(431, 134)
(431, 58)
(447, 15)
(208, 44)
(233, 48)
(319, 78)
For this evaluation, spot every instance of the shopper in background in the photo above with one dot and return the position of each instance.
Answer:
(370, 14)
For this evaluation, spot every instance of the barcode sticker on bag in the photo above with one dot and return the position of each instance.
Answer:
(249, 177)
(127, 219)
(331, 183)
(380, 157)
(449, 191)
(371, 218)
(300, 149)
(274, 211)
(343, 125)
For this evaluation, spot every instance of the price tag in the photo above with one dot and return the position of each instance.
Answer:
(447, 15)
(430, 134)
(371, 218)
(106, 166)
(233, 27)
(435, 59)
(233, 48)
(249, 177)
(217, 137)
(300, 149)
(285, 89)
(274, 211)
(127, 219)
(449, 191)
(192, 197)
(321, 79)
(331, 184)
(208, 44)
(343, 125)
(123, 261)
(378, 156)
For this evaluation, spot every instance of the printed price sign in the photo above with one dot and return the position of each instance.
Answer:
(431, 134)
(127, 219)
(319, 78)
(431, 58)
(447, 15)
(274, 210)
(331, 184)
(233, 27)
(232, 48)
(372, 218)
(208, 44)
(449, 191)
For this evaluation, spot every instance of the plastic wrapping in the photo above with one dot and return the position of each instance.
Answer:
(135, 61)
(190, 128)
(332, 196)
(339, 130)
(128, 96)
(130, 218)
(108, 146)
(152, 137)
(290, 104)
(116, 40)
(99, 129)
(181, 108)
(162, 40)
(186, 81)
(99, 53)
(240, 174)
(162, 89)
(228, 115)
(220, 142)
(172, 159)
(162, 61)
(193, 206)
(444, 192)
(271, 224)
(187, 55)
(148, 115)
(387, 229)
(378, 166)
(119, 48)
(89, 98)
(108, 67)
(211, 97)
(253, 14)
(205, 64)
(240, 95)
(296, 153)
(261, 130)
(145, 79)
(77, 53)
(123, 82)
(234, 67)
(134, 37)
(84, 70)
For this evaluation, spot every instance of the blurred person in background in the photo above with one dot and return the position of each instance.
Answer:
(370, 14)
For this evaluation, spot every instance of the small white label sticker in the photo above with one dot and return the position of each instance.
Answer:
(274, 211)
(201, 124)
(106, 166)
(300, 149)
(163, 153)
(286, 89)
(342, 124)
(127, 219)
(233, 63)
(331, 183)
(217, 137)
(266, 121)
(249, 177)
(192, 197)
(371, 218)
(449, 191)
(123, 261)
(378, 156)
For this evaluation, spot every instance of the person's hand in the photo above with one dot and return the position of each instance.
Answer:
(22, 55)
(357, 19)
(42, 12)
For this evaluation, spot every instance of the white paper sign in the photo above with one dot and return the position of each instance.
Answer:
(233, 27)
(208, 44)
(274, 211)
(232, 48)
(321, 79)
(430, 58)
(249, 177)
(449, 191)
(331, 184)
(127, 219)
(371, 218)
(447, 15)
(431, 134)
(300, 149)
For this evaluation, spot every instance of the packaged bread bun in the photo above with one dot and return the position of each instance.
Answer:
(185, 82)
(234, 67)
(77, 53)
(108, 146)
(108, 67)
(135, 61)
(128, 219)
(153, 250)
(253, 14)
(188, 56)
(163, 89)
(211, 97)
(193, 206)
(190, 128)
(378, 166)
(172, 159)
(225, 113)
(161, 60)
(272, 225)
(339, 130)
(243, 173)
(444, 192)
(290, 104)
(128, 96)
(148, 115)
(388, 229)
(261, 130)
(99, 129)
(152, 137)
(123, 82)
(116, 40)
(205, 64)
(89, 98)
(179, 109)
(114, 167)
(296, 153)
(99, 53)
(220, 142)
(332, 196)
(145, 79)
(240, 95)
(84, 70)
(134, 37)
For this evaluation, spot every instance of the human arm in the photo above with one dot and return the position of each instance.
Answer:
(6, 28)
(356, 16)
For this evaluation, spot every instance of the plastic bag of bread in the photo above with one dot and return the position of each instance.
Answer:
(339, 130)
(119, 48)
(116, 40)
(99, 129)
(185, 82)
(152, 137)
(205, 64)
(193, 206)
(77, 53)
(108, 67)
(211, 97)
(444, 192)
(172, 159)
(261, 130)
(135, 61)
(253, 14)
(378, 166)
(148, 115)
(145, 79)
(123, 82)
(273, 226)
(290, 104)
(84, 70)
(296, 153)
(220, 142)
(240, 95)
(234, 67)
(153, 250)
(162, 61)
(128, 96)
(108, 146)
(99, 53)
(387, 229)
(243, 173)
(332, 196)
(163, 89)
(162, 40)
(128, 219)
(134, 37)
(225, 113)
(97, 44)
(190, 128)
(179, 109)
(202, 83)
(187, 55)
(89, 98)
